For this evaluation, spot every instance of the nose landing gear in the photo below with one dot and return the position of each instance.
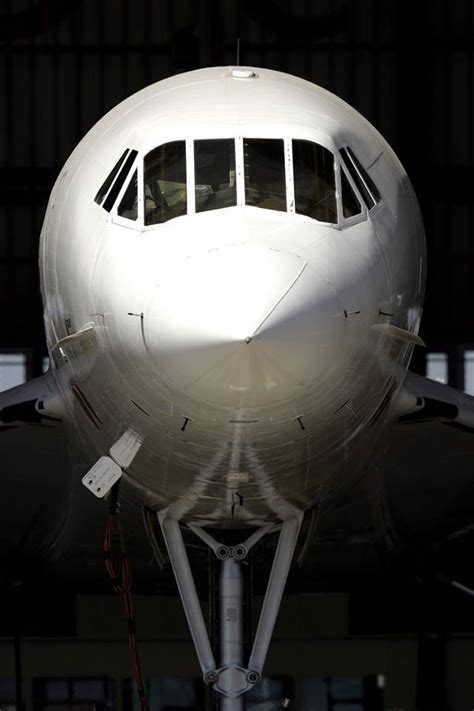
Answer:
(232, 678)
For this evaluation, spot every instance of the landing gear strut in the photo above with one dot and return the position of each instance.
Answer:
(232, 678)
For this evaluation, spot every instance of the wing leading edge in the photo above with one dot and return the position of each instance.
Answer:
(34, 469)
(429, 466)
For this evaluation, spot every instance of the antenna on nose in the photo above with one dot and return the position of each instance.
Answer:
(238, 53)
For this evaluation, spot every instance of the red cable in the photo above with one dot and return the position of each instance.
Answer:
(123, 587)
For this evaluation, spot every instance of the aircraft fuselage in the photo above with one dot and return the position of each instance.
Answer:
(248, 343)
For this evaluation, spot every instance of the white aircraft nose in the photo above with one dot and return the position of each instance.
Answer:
(244, 326)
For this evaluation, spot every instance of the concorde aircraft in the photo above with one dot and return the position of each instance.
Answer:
(232, 270)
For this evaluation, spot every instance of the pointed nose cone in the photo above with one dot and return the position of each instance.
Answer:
(244, 326)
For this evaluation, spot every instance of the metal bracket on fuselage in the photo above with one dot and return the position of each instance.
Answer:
(231, 680)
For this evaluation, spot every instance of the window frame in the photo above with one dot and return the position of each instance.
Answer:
(122, 195)
(240, 171)
(377, 201)
(117, 219)
(342, 222)
(125, 171)
(335, 225)
(285, 170)
(365, 175)
(190, 178)
(191, 185)
(345, 222)
(289, 175)
(141, 172)
(112, 175)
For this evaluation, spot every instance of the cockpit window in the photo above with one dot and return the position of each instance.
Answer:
(364, 183)
(315, 187)
(214, 168)
(265, 184)
(104, 188)
(350, 202)
(288, 175)
(165, 194)
(129, 203)
(365, 176)
(112, 195)
(113, 183)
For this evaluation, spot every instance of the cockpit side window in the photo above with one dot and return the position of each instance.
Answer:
(374, 191)
(164, 180)
(265, 184)
(364, 183)
(129, 203)
(214, 168)
(314, 180)
(350, 202)
(119, 181)
(104, 188)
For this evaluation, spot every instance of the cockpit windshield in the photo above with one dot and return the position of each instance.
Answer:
(164, 180)
(214, 171)
(293, 175)
(265, 183)
(315, 186)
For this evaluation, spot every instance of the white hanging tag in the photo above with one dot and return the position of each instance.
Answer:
(101, 478)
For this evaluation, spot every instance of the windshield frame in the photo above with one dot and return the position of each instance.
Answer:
(276, 132)
(137, 224)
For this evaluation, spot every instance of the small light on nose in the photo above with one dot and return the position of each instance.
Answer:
(244, 74)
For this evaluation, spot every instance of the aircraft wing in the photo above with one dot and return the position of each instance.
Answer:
(417, 495)
(429, 463)
(35, 476)
(45, 511)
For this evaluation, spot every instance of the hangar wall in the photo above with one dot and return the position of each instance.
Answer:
(311, 642)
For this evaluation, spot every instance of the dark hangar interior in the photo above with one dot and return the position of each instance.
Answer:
(365, 625)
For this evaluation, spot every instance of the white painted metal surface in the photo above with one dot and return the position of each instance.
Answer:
(238, 344)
